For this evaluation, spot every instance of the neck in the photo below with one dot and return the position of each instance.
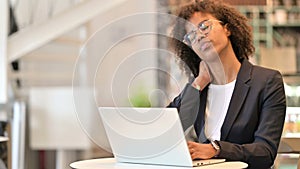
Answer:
(230, 63)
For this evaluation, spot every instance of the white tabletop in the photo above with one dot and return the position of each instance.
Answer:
(109, 163)
(3, 139)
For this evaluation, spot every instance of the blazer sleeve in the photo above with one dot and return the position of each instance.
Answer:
(261, 153)
(187, 104)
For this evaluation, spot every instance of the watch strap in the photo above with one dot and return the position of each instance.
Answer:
(216, 147)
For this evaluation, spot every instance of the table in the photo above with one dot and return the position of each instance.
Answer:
(110, 163)
(3, 139)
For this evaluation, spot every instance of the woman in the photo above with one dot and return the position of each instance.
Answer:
(237, 109)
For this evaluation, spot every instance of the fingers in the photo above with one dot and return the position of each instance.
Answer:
(215, 71)
(192, 148)
(195, 154)
(199, 151)
(204, 71)
(203, 78)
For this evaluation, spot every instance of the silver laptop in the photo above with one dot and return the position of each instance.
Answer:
(148, 136)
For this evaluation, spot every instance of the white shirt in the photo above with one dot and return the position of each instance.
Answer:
(218, 99)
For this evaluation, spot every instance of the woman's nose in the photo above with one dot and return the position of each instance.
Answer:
(200, 36)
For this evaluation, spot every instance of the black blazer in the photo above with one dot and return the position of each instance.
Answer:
(253, 125)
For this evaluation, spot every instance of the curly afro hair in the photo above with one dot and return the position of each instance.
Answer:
(241, 33)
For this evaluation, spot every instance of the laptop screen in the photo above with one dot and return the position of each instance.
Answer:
(146, 135)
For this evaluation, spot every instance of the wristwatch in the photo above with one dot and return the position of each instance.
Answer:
(216, 147)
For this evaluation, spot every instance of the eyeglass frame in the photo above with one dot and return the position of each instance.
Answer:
(186, 38)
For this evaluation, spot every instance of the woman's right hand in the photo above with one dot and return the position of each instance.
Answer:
(203, 78)
(211, 60)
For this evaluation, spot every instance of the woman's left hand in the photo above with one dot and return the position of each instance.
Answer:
(201, 151)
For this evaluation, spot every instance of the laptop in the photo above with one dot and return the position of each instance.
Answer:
(148, 136)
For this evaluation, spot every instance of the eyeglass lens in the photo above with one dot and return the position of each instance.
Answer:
(204, 28)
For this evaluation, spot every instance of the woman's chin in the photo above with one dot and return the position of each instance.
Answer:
(206, 53)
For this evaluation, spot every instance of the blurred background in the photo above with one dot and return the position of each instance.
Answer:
(47, 46)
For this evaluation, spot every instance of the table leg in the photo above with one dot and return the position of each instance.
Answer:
(64, 158)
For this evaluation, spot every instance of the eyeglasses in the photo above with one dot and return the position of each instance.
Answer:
(204, 28)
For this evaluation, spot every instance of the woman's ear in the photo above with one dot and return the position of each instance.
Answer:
(227, 31)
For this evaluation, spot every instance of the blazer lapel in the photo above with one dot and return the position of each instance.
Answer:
(199, 123)
(238, 97)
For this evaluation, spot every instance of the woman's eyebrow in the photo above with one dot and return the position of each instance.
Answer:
(203, 21)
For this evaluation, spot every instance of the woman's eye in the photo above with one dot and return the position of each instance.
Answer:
(203, 27)
(192, 35)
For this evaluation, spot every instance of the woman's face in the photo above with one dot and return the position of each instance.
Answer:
(211, 36)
